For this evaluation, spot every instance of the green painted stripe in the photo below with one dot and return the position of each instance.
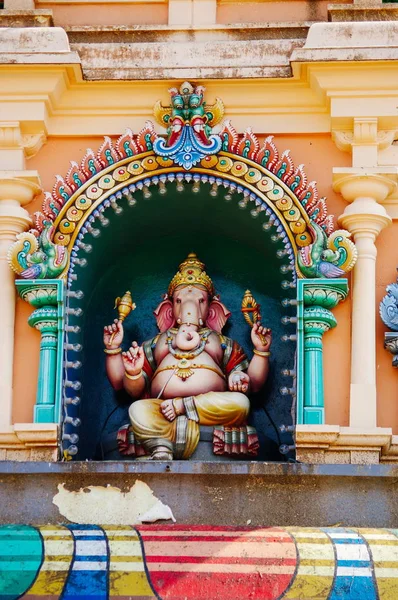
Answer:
(23, 558)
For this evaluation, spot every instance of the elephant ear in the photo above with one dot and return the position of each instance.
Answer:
(164, 315)
(218, 316)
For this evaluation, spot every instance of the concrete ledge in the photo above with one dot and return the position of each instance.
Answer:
(216, 493)
(29, 442)
(191, 467)
(31, 40)
(215, 59)
(341, 445)
(349, 12)
(170, 33)
(26, 18)
(349, 41)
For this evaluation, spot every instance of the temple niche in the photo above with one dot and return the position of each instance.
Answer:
(231, 263)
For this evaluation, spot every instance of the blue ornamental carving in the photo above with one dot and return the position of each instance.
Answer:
(389, 307)
(189, 125)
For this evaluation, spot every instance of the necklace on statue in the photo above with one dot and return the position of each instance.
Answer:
(192, 353)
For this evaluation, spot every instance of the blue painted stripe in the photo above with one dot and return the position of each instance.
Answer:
(89, 582)
(354, 563)
(91, 557)
(346, 541)
(88, 538)
(354, 569)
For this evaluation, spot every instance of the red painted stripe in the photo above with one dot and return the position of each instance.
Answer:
(220, 560)
(213, 586)
(206, 528)
(227, 539)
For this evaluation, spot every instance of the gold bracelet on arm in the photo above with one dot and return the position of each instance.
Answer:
(261, 353)
(112, 351)
(133, 377)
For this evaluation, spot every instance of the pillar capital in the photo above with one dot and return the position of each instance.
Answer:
(18, 187)
(373, 183)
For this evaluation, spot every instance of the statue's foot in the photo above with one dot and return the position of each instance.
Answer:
(171, 409)
(162, 455)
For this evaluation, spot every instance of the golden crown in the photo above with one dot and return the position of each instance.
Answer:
(191, 272)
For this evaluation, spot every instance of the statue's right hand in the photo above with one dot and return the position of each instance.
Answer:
(115, 329)
(133, 359)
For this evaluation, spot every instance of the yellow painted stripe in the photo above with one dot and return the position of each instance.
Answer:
(315, 574)
(126, 558)
(384, 550)
(126, 567)
(319, 562)
(53, 573)
(127, 576)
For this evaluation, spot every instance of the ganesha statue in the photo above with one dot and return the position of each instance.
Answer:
(190, 374)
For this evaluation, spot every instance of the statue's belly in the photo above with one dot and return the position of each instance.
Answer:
(201, 380)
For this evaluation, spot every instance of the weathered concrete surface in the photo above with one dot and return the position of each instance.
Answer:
(26, 18)
(254, 58)
(35, 45)
(364, 12)
(24, 40)
(205, 33)
(349, 41)
(216, 493)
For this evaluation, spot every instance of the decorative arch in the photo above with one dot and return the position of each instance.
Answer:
(192, 154)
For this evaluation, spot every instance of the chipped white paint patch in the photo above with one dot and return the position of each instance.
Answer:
(110, 506)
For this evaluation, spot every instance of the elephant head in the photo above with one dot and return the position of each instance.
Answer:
(190, 303)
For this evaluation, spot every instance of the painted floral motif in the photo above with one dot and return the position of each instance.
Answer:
(195, 562)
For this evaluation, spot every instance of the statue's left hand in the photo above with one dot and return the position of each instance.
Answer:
(238, 382)
(261, 337)
(133, 359)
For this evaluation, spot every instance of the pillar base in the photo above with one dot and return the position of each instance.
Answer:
(332, 444)
(30, 441)
(43, 414)
(314, 415)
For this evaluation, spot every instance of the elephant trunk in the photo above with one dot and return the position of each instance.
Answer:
(187, 337)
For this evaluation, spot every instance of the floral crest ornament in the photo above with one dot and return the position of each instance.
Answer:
(193, 152)
(189, 126)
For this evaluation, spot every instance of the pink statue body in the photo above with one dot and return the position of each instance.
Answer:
(189, 374)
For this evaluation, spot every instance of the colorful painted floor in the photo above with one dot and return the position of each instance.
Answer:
(197, 563)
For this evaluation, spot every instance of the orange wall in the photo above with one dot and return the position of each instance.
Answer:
(387, 376)
(101, 14)
(268, 11)
(52, 159)
(318, 153)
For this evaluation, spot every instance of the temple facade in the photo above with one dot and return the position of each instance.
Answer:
(198, 298)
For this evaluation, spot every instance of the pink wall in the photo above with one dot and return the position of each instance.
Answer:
(287, 10)
(103, 14)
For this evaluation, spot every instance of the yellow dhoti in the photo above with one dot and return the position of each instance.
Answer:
(152, 429)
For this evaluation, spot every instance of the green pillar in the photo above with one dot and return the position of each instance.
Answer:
(315, 299)
(45, 320)
(317, 320)
(46, 298)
